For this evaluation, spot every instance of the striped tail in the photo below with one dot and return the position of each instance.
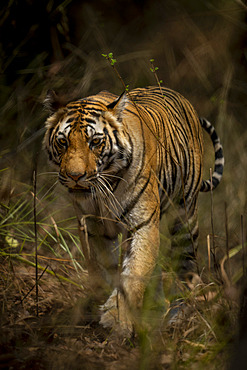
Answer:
(219, 157)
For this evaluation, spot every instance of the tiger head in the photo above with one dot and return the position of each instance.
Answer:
(86, 140)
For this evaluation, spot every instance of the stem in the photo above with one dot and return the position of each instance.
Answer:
(35, 240)
(243, 246)
(227, 240)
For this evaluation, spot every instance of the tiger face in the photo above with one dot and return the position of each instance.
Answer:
(87, 143)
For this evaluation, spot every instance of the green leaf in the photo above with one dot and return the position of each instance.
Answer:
(12, 242)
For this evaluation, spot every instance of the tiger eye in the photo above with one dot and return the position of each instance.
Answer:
(95, 141)
(62, 141)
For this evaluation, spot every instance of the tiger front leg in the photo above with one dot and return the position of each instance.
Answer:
(122, 311)
(101, 259)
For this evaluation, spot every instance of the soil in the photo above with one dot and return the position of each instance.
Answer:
(58, 332)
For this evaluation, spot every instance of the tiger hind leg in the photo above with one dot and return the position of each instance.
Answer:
(184, 243)
(184, 239)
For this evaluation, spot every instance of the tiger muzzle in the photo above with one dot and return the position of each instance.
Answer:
(76, 176)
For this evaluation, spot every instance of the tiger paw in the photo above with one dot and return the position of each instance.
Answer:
(116, 315)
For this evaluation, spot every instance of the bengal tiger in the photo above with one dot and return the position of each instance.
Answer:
(125, 160)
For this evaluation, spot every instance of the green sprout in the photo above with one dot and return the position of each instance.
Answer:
(109, 57)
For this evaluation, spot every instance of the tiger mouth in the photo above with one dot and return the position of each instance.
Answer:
(79, 189)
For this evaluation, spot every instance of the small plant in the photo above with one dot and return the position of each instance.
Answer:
(112, 61)
(154, 70)
(110, 58)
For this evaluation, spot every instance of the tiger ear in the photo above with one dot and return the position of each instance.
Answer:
(118, 105)
(52, 102)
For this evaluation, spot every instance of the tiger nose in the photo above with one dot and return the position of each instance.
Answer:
(76, 175)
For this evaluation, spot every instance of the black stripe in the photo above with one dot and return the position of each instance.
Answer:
(106, 132)
(197, 184)
(218, 168)
(89, 120)
(167, 179)
(194, 185)
(135, 199)
(144, 223)
(70, 120)
(215, 182)
(219, 154)
(191, 178)
(187, 121)
(71, 112)
(132, 112)
(96, 114)
(214, 136)
(115, 132)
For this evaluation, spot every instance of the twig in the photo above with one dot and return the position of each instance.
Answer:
(31, 289)
(112, 61)
(212, 213)
(209, 254)
(243, 246)
(120, 240)
(227, 240)
(154, 70)
(35, 240)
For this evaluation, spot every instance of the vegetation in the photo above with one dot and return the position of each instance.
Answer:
(47, 316)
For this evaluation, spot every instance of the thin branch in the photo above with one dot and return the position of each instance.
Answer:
(243, 245)
(35, 240)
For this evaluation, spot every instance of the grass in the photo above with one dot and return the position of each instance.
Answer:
(193, 58)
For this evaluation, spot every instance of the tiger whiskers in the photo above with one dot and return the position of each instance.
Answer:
(112, 198)
(108, 197)
(105, 174)
(105, 183)
(105, 196)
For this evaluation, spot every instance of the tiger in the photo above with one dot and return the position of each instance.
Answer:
(125, 161)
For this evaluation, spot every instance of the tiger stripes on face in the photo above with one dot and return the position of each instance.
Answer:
(125, 160)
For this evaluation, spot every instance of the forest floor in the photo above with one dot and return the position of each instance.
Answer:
(58, 333)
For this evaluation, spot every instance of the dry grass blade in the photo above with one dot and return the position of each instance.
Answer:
(35, 240)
